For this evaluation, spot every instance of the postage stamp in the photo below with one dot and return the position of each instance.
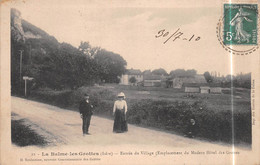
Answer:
(237, 29)
(240, 24)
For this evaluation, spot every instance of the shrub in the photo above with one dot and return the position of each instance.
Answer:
(176, 116)
(58, 98)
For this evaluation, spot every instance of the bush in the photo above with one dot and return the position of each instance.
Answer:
(176, 116)
(102, 99)
(58, 98)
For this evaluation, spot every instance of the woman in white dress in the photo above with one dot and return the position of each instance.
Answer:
(119, 112)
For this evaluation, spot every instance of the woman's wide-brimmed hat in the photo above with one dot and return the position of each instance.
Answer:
(121, 94)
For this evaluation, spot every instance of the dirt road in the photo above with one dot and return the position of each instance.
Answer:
(61, 126)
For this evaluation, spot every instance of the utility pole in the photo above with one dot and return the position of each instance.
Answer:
(25, 88)
(30, 54)
(21, 60)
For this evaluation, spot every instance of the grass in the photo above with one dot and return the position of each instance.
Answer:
(22, 135)
(215, 102)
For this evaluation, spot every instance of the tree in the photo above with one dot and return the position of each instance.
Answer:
(147, 72)
(191, 72)
(58, 65)
(76, 68)
(183, 73)
(160, 72)
(243, 80)
(177, 73)
(84, 47)
(87, 49)
(111, 65)
(208, 77)
(132, 80)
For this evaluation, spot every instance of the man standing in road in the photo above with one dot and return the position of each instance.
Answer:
(85, 110)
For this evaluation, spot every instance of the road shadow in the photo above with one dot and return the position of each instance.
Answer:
(22, 135)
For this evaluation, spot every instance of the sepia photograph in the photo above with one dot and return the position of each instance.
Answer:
(130, 82)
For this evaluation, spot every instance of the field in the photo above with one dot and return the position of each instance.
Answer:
(216, 102)
(168, 109)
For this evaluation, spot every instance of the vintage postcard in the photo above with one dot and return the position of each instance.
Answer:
(130, 82)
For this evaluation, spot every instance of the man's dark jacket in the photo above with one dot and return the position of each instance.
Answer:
(85, 108)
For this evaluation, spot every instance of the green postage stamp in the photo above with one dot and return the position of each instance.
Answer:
(240, 24)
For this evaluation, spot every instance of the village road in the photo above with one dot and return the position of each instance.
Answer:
(63, 127)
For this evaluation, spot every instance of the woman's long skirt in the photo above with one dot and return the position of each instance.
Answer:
(120, 124)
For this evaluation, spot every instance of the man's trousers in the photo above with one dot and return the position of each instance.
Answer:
(86, 122)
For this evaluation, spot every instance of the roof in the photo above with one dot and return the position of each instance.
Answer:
(133, 72)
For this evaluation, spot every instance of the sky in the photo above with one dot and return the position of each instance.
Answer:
(129, 29)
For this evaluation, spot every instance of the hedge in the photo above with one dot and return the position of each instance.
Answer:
(176, 116)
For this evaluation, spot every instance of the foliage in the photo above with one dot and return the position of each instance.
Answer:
(58, 98)
(208, 77)
(147, 72)
(58, 65)
(160, 72)
(240, 80)
(183, 73)
(88, 50)
(176, 116)
(111, 65)
(132, 80)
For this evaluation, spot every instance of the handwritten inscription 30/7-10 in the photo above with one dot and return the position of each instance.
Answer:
(177, 35)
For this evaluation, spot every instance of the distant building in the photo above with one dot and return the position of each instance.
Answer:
(151, 80)
(204, 89)
(179, 81)
(191, 88)
(216, 90)
(124, 79)
(152, 83)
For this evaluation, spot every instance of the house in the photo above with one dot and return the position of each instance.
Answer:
(152, 83)
(191, 88)
(179, 81)
(151, 80)
(136, 73)
(204, 89)
(215, 88)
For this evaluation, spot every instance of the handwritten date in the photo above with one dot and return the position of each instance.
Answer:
(176, 35)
